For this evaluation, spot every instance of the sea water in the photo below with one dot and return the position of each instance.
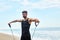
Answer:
(39, 34)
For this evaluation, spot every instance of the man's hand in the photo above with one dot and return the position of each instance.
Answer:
(36, 24)
(9, 25)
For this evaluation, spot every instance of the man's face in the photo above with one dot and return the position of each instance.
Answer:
(24, 15)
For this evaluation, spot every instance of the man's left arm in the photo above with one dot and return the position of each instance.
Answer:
(35, 20)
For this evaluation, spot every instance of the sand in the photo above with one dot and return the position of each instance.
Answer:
(8, 37)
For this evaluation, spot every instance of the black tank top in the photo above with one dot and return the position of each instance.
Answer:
(25, 27)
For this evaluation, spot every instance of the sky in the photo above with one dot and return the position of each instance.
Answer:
(47, 11)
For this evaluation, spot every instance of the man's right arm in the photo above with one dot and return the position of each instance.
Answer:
(14, 21)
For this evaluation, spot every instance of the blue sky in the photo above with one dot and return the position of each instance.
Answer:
(47, 11)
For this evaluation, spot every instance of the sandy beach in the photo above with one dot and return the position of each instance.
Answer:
(8, 37)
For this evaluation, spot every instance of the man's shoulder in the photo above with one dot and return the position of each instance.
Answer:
(30, 19)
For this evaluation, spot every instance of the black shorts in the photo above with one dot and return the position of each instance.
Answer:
(26, 37)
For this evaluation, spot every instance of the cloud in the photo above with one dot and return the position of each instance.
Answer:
(41, 4)
(15, 0)
(4, 6)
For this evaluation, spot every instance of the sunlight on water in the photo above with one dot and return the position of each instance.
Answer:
(39, 35)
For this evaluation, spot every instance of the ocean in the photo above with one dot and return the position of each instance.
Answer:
(40, 33)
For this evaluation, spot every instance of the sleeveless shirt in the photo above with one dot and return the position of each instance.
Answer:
(25, 27)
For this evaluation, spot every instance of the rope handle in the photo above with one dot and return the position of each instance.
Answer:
(36, 24)
(9, 25)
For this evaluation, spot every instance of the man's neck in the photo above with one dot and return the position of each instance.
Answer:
(25, 18)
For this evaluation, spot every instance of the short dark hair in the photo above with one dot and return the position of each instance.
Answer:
(24, 11)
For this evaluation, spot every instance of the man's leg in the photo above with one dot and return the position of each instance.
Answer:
(22, 38)
(28, 37)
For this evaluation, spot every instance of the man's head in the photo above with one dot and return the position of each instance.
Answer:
(24, 13)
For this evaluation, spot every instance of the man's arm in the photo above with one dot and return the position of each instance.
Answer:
(14, 22)
(35, 20)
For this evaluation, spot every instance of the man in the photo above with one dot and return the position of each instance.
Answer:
(25, 24)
